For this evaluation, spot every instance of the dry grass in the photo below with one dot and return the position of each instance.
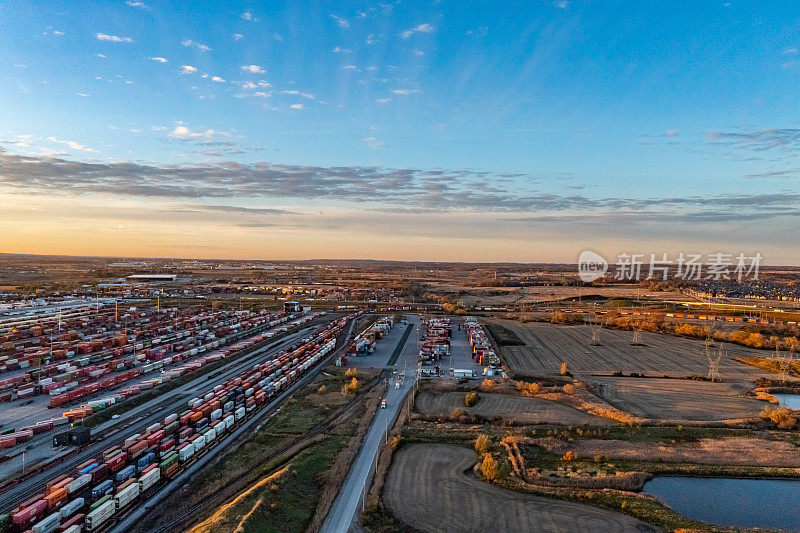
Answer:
(744, 451)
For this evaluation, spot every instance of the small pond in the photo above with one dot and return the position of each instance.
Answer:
(746, 503)
(792, 401)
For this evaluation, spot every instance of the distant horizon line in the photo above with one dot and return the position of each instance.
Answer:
(320, 260)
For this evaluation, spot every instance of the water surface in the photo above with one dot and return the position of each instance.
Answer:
(748, 503)
(792, 401)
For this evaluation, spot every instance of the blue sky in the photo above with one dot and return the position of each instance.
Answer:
(358, 128)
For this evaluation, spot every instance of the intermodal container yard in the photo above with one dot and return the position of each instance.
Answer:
(98, 359)
(95, 493)
(482, 351)
(436, 340)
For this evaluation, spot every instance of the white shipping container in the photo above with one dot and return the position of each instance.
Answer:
(72, 507)
(126, 496)
(186, 453)
(79, 483)
(199, 443)
(100, 515)
(149, 479)
(48, 525)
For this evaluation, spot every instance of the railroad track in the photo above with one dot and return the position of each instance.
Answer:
(68, 463)
(238, 483)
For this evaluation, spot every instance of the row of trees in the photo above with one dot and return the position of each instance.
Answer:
(758, 336)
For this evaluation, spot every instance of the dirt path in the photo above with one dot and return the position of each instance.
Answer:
(521, 410)
(427, 487)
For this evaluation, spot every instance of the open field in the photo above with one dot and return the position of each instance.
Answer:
(678, 399)
(548, 345)
(502, 296)
(427, 487)
(744, 451)
(517, 408)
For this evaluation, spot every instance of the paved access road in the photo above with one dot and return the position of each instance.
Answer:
(347, 502)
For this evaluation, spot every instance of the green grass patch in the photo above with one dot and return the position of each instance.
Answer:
(288, 503)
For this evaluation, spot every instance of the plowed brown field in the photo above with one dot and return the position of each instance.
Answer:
(427, 487)
(518, 408)
(548, 345)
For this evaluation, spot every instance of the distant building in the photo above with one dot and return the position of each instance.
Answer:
(153, 277)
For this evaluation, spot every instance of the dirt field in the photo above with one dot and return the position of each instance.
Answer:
(548, 345)
(729, 451)
(520, 409)
(427, 488)
(678, 399)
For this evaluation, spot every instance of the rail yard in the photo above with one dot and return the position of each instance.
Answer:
(177, 402)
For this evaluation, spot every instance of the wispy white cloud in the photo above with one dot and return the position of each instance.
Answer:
(238, 36)
(561, 4)
(382, 100)
(296, 106)
(140, 5)
(300, 93)
(349, 67)
(56, 32)
(419, 53)
(374, 142)
(343, 23)
(217, 79)
(247, 16)
(83, 94)
(182, 132)
(340, 50)
(112, 38)
(71, 144)
(278, 37)
(200, 46)
(371, 39)
(405, 92)
(188, 69)
(253, 69)
(103, 56)
(791, 51)
(159, 59)
(671, 133)
(422, 28)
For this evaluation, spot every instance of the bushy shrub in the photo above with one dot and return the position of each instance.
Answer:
(351, 388)
(528, 389)
(471, 398)
(783, 417)
(489, 467)
(482, 443)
